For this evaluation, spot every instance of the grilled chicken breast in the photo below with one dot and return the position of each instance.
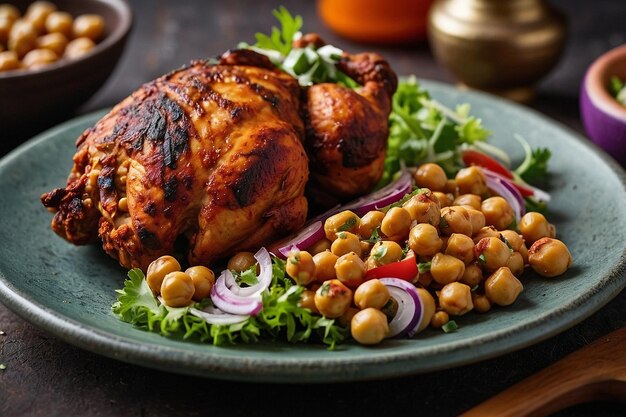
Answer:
(212, 156)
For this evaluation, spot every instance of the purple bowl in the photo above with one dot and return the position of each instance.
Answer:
(603, 117)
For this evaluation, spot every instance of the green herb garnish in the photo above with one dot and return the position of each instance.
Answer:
(349, 224)
(423, 267)
(617, 88)
(247, 277)
(379, 253)
(281, 39)
(281, 316)
(375, 237)
(450, 326)
(482, 258)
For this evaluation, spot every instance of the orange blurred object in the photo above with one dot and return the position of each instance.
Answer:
(376, 21)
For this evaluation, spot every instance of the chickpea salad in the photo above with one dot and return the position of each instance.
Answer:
(450, 231)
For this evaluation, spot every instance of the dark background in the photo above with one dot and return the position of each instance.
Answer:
(47, 377)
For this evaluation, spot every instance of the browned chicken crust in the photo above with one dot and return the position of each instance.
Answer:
(213, 155)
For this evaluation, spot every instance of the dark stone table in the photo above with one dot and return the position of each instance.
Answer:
(47, 377)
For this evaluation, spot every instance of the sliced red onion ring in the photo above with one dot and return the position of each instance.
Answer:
(303, 240)
(216, 316)
(383, 197)
(264, 278)
(229, 302)
(410, 310)
(507, 191)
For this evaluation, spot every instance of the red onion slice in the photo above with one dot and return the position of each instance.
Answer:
(229, 302)
(387, 195)
(506, 190)
(303, 240)
(264, 278)
(216, 316)
(410, 310)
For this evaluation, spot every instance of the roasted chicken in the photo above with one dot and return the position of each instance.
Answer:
(213, 158)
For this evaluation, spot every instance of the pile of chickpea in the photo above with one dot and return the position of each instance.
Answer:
(459, 236)
(453, 229)
(44, 35)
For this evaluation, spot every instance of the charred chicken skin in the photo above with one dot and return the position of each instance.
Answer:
(215, 156)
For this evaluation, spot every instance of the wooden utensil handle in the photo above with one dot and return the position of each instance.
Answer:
(596, 372)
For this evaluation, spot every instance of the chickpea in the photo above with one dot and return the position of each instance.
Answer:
(471, 200)
(22, 38)
(369, 222)
(158, 269)
(428, 307)
(439, 319)
(471, 180)
(325, 266)
(346, 221)
(502, 288)
(369, 326)
(350, 269)
(38, 58)
(515, 239)
(487, 231)
(241, 261)
(177, 289)
(9, 61)
(461, 247)
(320, 246)
(446, 269)
(346, 242)
(10, 12)
(386, 252)
(451, 188)
(55, 42)
(396, 223)
(533, 226)
(481, 303)
(301, 267)
(307, 300)
(366, 247)
(516, 264)
(78, 47)
(424, 207)
(430, 176)
(492, 253)
(203, 280)
(425, 279)
(455, 219)
(523, 250)
(498, 212)
(549, 257)
(5, 29)
(472, 276)
(332, 298)
(424, 240)
(37, 13)
(456, 299)
(445, 200)
(372, 293)
(89, 26)
(476, 218)
(60, 22)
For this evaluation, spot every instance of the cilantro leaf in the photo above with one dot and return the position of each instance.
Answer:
(280, 40)
(537, 167)
(247, 277)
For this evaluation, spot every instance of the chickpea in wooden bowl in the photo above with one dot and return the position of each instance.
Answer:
(54, 56)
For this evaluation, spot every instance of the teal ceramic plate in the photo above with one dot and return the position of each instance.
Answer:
(68, 290)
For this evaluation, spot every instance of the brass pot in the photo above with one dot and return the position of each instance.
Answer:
(501, 46)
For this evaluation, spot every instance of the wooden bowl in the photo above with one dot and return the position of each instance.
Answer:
(31, 100)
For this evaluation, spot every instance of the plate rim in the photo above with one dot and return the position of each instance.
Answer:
(277, 369)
